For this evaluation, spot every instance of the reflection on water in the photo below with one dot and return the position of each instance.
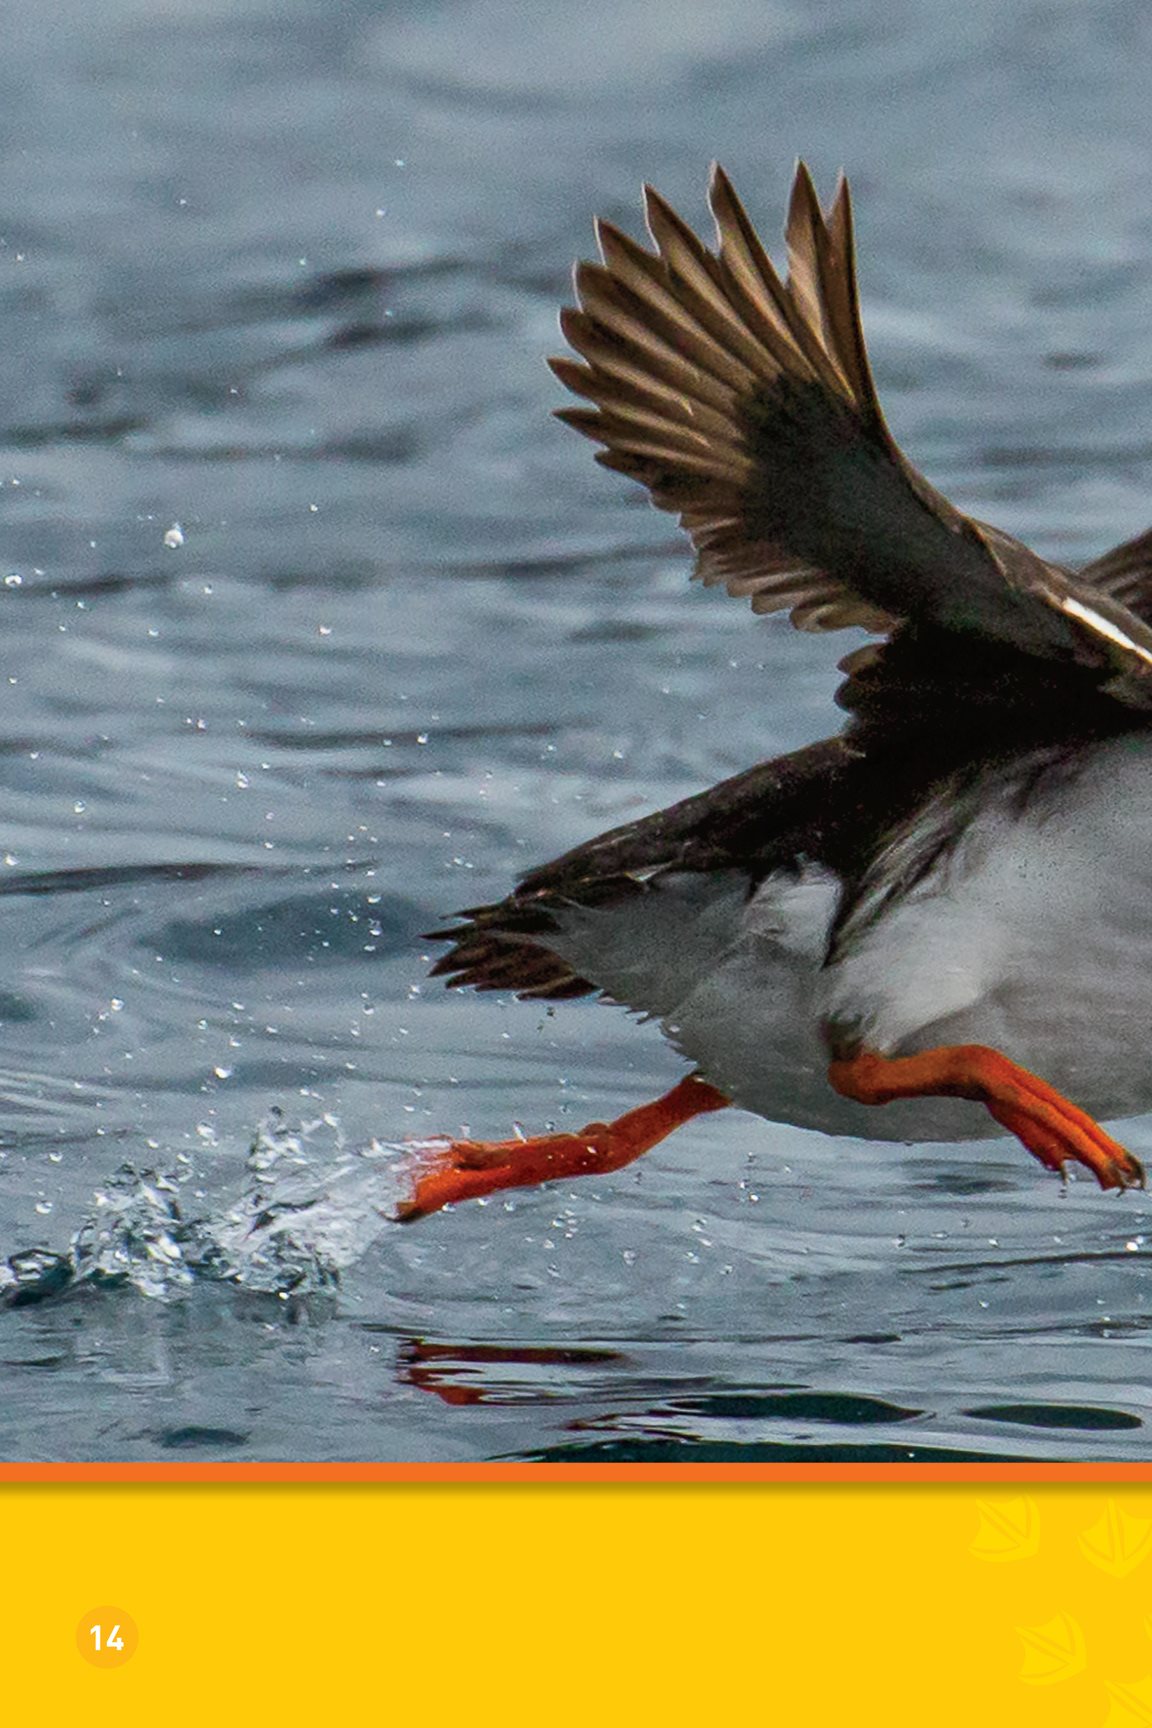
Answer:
(285, 277)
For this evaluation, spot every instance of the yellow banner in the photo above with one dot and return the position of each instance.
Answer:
(554, 1605)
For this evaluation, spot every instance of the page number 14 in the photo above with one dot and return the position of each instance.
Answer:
(107, 1636)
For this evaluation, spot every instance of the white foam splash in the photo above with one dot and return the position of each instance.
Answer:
(309, 1207)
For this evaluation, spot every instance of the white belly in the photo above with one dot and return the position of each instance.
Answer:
(1034, 936)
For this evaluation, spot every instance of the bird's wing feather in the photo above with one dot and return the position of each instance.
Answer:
(744, 401)
(1125, 574)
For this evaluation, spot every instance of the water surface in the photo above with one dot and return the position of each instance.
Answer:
(284, 276)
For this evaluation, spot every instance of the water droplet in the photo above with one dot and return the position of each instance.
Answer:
(13, 580)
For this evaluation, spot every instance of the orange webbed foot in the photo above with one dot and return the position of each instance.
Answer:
(1054, 1130)
(446, 1171)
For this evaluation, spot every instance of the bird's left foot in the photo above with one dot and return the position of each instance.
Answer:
(447, 1171)
(1053, 1130)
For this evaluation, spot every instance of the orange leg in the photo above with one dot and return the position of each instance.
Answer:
(452, 1170)
(1052, 1129)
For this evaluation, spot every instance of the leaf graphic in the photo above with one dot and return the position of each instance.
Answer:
(1009, 1529)
(1052, 1652)
(1131, 1705)
(1117, 1543)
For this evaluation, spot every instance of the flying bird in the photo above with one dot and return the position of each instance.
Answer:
(934, 925)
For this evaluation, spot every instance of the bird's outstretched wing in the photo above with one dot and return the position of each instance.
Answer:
(744, 401)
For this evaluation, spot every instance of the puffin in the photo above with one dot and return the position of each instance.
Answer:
(934, 925)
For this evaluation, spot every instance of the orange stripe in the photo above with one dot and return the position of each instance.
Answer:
(826, 1474)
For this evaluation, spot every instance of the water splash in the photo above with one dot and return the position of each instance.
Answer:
(309, 1206)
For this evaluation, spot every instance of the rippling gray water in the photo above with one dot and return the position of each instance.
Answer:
(284, 276)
